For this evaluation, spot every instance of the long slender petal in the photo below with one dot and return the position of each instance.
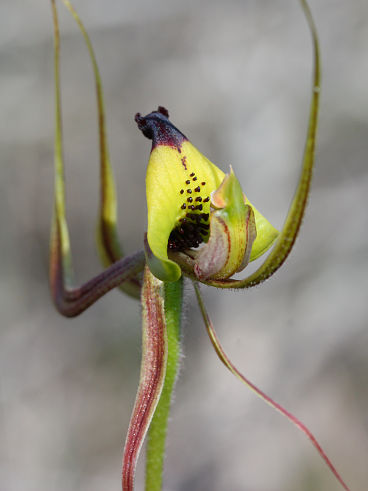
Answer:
(59, 229)
(70, 300)
(226, 361)
(287, 237)
(109, 245)
(152, 376)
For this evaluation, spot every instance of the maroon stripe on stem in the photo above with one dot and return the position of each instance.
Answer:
(153, 369)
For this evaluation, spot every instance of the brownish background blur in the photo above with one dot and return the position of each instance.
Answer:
(235, 76)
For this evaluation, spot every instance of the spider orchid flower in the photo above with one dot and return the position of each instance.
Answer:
(200, 226)
(191, 202)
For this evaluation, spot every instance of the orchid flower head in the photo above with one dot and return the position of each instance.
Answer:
(192, 203)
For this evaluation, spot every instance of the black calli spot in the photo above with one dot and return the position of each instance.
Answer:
(192, 229)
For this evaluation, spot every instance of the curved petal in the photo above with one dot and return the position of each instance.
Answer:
(296, 211)
(108, 243)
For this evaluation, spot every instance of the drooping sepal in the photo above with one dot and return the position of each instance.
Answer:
(232, 368)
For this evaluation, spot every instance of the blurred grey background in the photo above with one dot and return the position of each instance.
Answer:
(235, 76)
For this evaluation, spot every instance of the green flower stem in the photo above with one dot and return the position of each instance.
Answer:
(173, 293)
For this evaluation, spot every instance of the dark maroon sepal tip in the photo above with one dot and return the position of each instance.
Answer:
(162, 110)
(157, 127)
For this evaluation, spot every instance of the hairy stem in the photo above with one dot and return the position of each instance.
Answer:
(173, 293)
(152, 376)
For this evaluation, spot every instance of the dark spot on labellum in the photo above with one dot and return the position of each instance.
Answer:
(187, 182)
(192, 174)
(203, 183)
(206, 199)
(189, 191)
(192, 229)
(184, 161)
(181, 191)
(194, 178)
(197, 189)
